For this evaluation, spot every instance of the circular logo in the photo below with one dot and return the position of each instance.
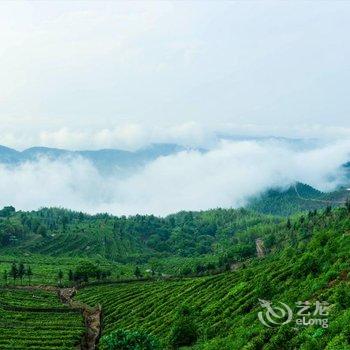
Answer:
(274, 315)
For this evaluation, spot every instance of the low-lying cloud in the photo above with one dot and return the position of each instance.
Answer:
(225, 176)
(132, 136)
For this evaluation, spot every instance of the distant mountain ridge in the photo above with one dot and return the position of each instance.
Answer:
(296, 198)
(103, 159)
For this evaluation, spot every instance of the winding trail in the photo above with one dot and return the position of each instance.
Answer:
(92, 318)
(260, 248)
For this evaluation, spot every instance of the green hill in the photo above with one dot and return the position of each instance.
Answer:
(209, 272)
(308, 262)
(59, 232)
(297, 198)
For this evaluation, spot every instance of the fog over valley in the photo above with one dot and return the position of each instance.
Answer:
(164, 179)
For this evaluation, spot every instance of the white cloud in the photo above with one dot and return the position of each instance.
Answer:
(128, 136)
(223, 177)
(100, 65)
(131, 136)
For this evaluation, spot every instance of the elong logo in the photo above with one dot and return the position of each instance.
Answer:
(274, 315)
(277, 315)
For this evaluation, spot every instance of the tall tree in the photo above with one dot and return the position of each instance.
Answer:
(70, 275)
(21, 271)
(347, 204)
(14, 272)
(5, 276)
(29, 274)
(60, 277)
(137, 272)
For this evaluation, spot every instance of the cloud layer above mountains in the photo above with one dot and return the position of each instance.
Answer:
(225, 176)
(98, 74)
(131, 136)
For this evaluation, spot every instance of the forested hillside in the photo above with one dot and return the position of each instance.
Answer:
(308, 262)
(297, 198)
(195, 280)
(60, 232)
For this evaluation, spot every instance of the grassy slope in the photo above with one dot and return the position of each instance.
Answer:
(312, 264)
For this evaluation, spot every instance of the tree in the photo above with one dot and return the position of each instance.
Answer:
(342, 296)
(29, 274)
(347, 204)
(14, 272)
(200, 269)
(85, 270)
(5, 276)
(328, 210)
(70, 276)
(184, 331)
(60, 277)
(137, 272)
(21, 271)
(289, 225)
(7, 211)
(64, 222)
(154, 264)
(121, 339)
(42, 230)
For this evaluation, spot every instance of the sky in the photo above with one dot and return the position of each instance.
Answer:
(228, 175)
(123, 74)
(95, 74)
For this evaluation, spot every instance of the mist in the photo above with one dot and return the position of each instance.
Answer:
(225, 176)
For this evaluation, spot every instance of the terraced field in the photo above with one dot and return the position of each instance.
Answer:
(45, 268)
(36, 319)
(225, 306)
(218, 303)
(151, 306)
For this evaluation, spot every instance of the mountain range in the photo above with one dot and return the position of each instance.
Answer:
(103, 159)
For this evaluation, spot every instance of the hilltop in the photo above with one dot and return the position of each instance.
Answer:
(296, 198)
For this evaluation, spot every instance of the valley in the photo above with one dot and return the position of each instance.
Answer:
(212, 269)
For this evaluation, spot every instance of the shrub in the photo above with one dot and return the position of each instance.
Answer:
(121, 339)
(184, 332)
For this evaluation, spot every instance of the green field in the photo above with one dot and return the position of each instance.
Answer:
(36, 319)
(225, 306)
(213, 272)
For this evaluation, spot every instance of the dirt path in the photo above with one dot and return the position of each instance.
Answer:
(260, 248)
(92, 318)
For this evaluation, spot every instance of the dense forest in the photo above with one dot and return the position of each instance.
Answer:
(61, 232)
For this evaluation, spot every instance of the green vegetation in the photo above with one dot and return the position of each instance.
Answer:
(298, 198)
(126, 340)
(189, 243)
(194, 280)
(184, 331)
(59, 232)
(36, 319)
(308, 261)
